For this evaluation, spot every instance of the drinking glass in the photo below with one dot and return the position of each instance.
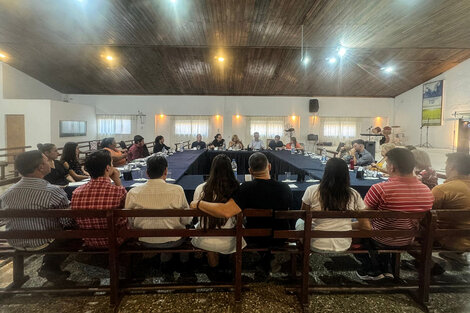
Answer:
(168, 175)
(287, 175)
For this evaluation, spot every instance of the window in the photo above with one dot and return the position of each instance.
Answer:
(267, 127)
(191, 127)
(339, 127)
(114, 125)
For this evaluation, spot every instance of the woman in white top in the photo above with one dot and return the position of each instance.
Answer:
(332, 194)
(220, 187)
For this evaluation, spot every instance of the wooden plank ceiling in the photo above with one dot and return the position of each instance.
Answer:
(166, 47)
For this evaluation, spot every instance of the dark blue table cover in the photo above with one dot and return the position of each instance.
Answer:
(188, 169)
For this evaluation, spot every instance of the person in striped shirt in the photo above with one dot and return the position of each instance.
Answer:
(402, 192)
(32, 192)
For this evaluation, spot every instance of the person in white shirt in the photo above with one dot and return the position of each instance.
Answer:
(220, 187)
(157, 194)
(256, 143)
(332, 194)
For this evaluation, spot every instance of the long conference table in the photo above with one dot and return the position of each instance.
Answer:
(189, 169)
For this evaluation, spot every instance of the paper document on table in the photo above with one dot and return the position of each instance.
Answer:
(312, 180)
(289, 181)
(76, 184)
(170, 179)
(293, 186)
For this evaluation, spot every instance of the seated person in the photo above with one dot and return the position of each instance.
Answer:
(69, 159)
(294, 144)
(423, 170)
(386, 132)
(58, 174)
(261, 193)
(159, 145)
(235, 144)
(332, 194)
(198, 144)
(382, 164)
(359, 154)
(218, 142)
(136, 151)
(343, 150)
(402, 192)
(454, 194)
(256, 143)
(219, 188)
(99, 194)
(33, 166)
(118, 157)
(276, 144)
(157, 194)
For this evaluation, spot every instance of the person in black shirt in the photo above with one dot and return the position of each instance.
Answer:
(59, 175)
(261, 193)
(276, 144)
(69, 159)
(217, 142)
(159, 144)
(199, 144)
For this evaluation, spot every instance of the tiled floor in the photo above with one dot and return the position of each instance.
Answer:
(268, 296)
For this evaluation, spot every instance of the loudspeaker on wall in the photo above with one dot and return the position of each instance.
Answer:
(313, 106)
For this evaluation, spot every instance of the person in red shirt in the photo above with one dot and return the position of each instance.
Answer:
(402, 192)
(99, 194)
(136, 151)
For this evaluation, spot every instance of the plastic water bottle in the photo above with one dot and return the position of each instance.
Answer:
(234, 167)
(292, 150)
(323, 155)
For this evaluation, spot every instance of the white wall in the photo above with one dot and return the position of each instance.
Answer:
(407, 108)
(229, 106)
(63, 111)
(22, 94)
(37, 119)
(18, 85)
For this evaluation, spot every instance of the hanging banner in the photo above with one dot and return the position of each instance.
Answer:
(432, 104)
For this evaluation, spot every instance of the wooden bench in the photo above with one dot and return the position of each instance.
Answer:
(238, 232)
(334, 153)
(307, 234)
(427, 234)
(18, 255)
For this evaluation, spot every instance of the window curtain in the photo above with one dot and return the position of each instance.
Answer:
(122, 127)
(267, 127)
(187, 127)
(339, 129)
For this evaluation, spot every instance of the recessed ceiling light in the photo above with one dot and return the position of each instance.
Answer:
(2, 56)
(388, 69)
(109, 58)
(331, 60)
(341, 51)
(220, 59)
(306, 60)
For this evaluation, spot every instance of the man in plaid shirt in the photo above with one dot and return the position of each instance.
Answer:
(99, 194)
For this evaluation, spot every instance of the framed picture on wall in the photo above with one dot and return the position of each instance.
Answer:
(432, 103)
(72, 128)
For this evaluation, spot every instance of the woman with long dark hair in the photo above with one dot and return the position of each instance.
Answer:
(220, 187)
(59, 174)
(69, 158)
(332, 194)
(159, 144)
